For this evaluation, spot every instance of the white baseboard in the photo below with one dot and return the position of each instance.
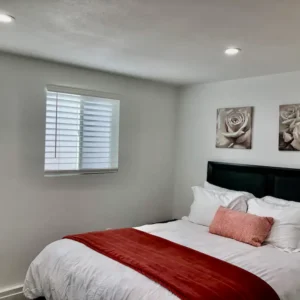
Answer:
(12, 294)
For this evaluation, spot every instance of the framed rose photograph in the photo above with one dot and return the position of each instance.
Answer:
(289, 127)
(234, 127)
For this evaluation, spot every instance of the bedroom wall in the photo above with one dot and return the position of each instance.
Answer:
(196, 128)
(34, 210)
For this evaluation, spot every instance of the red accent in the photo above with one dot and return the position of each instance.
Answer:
(187, 273)
(241, 226)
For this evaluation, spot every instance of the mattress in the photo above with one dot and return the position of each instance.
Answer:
(67, 269)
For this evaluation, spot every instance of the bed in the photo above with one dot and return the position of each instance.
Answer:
(67, 269)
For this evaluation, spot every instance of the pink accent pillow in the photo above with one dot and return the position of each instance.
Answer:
(240, 226)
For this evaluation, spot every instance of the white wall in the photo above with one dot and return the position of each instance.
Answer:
(196, 128)
(34, 210)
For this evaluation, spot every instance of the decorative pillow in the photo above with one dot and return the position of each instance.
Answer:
(207, 202)
(213, 187)
(241, 226)
(285, 233)
(280, 202)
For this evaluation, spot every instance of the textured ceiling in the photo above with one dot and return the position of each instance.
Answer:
(177, 41)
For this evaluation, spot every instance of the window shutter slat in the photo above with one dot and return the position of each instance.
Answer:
(82, 133)
(52, 105)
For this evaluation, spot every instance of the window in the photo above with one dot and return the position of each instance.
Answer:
(82, 132)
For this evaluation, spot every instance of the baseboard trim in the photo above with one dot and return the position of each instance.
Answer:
(15, 293)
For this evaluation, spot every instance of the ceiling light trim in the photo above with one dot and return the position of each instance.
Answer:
(231, 51)
(6, 18)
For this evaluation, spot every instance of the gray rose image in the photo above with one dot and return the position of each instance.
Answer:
(234, 128)
(289, 127)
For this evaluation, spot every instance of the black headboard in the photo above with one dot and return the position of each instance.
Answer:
(261, 181)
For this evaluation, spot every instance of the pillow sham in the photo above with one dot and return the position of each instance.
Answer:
(207, 202)
(240, 226)
(280, 202)
(285, 233)
(213, 187)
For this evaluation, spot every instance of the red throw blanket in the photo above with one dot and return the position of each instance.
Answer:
(187, 273)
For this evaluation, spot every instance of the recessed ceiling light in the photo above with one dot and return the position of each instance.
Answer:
(6, 18)
(232, 51)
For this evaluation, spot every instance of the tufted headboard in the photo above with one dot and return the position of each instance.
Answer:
(259, 180)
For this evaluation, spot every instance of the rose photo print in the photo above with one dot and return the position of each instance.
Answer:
(234, 127)
(289, 127)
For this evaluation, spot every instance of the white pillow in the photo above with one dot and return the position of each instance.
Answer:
(207, 202)
(285, 232)
(280, 202)
(213, 187)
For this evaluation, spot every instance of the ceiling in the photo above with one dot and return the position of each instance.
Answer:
(175, 41)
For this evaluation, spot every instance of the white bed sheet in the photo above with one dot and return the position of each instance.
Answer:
(67, 269)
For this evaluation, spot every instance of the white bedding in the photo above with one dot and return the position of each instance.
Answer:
(66, 269)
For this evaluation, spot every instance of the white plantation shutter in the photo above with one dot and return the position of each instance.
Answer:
(82, 132)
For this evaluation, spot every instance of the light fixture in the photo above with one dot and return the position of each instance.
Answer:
(232, 51)
(6, 18)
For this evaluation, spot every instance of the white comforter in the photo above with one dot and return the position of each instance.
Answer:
(69, 270)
